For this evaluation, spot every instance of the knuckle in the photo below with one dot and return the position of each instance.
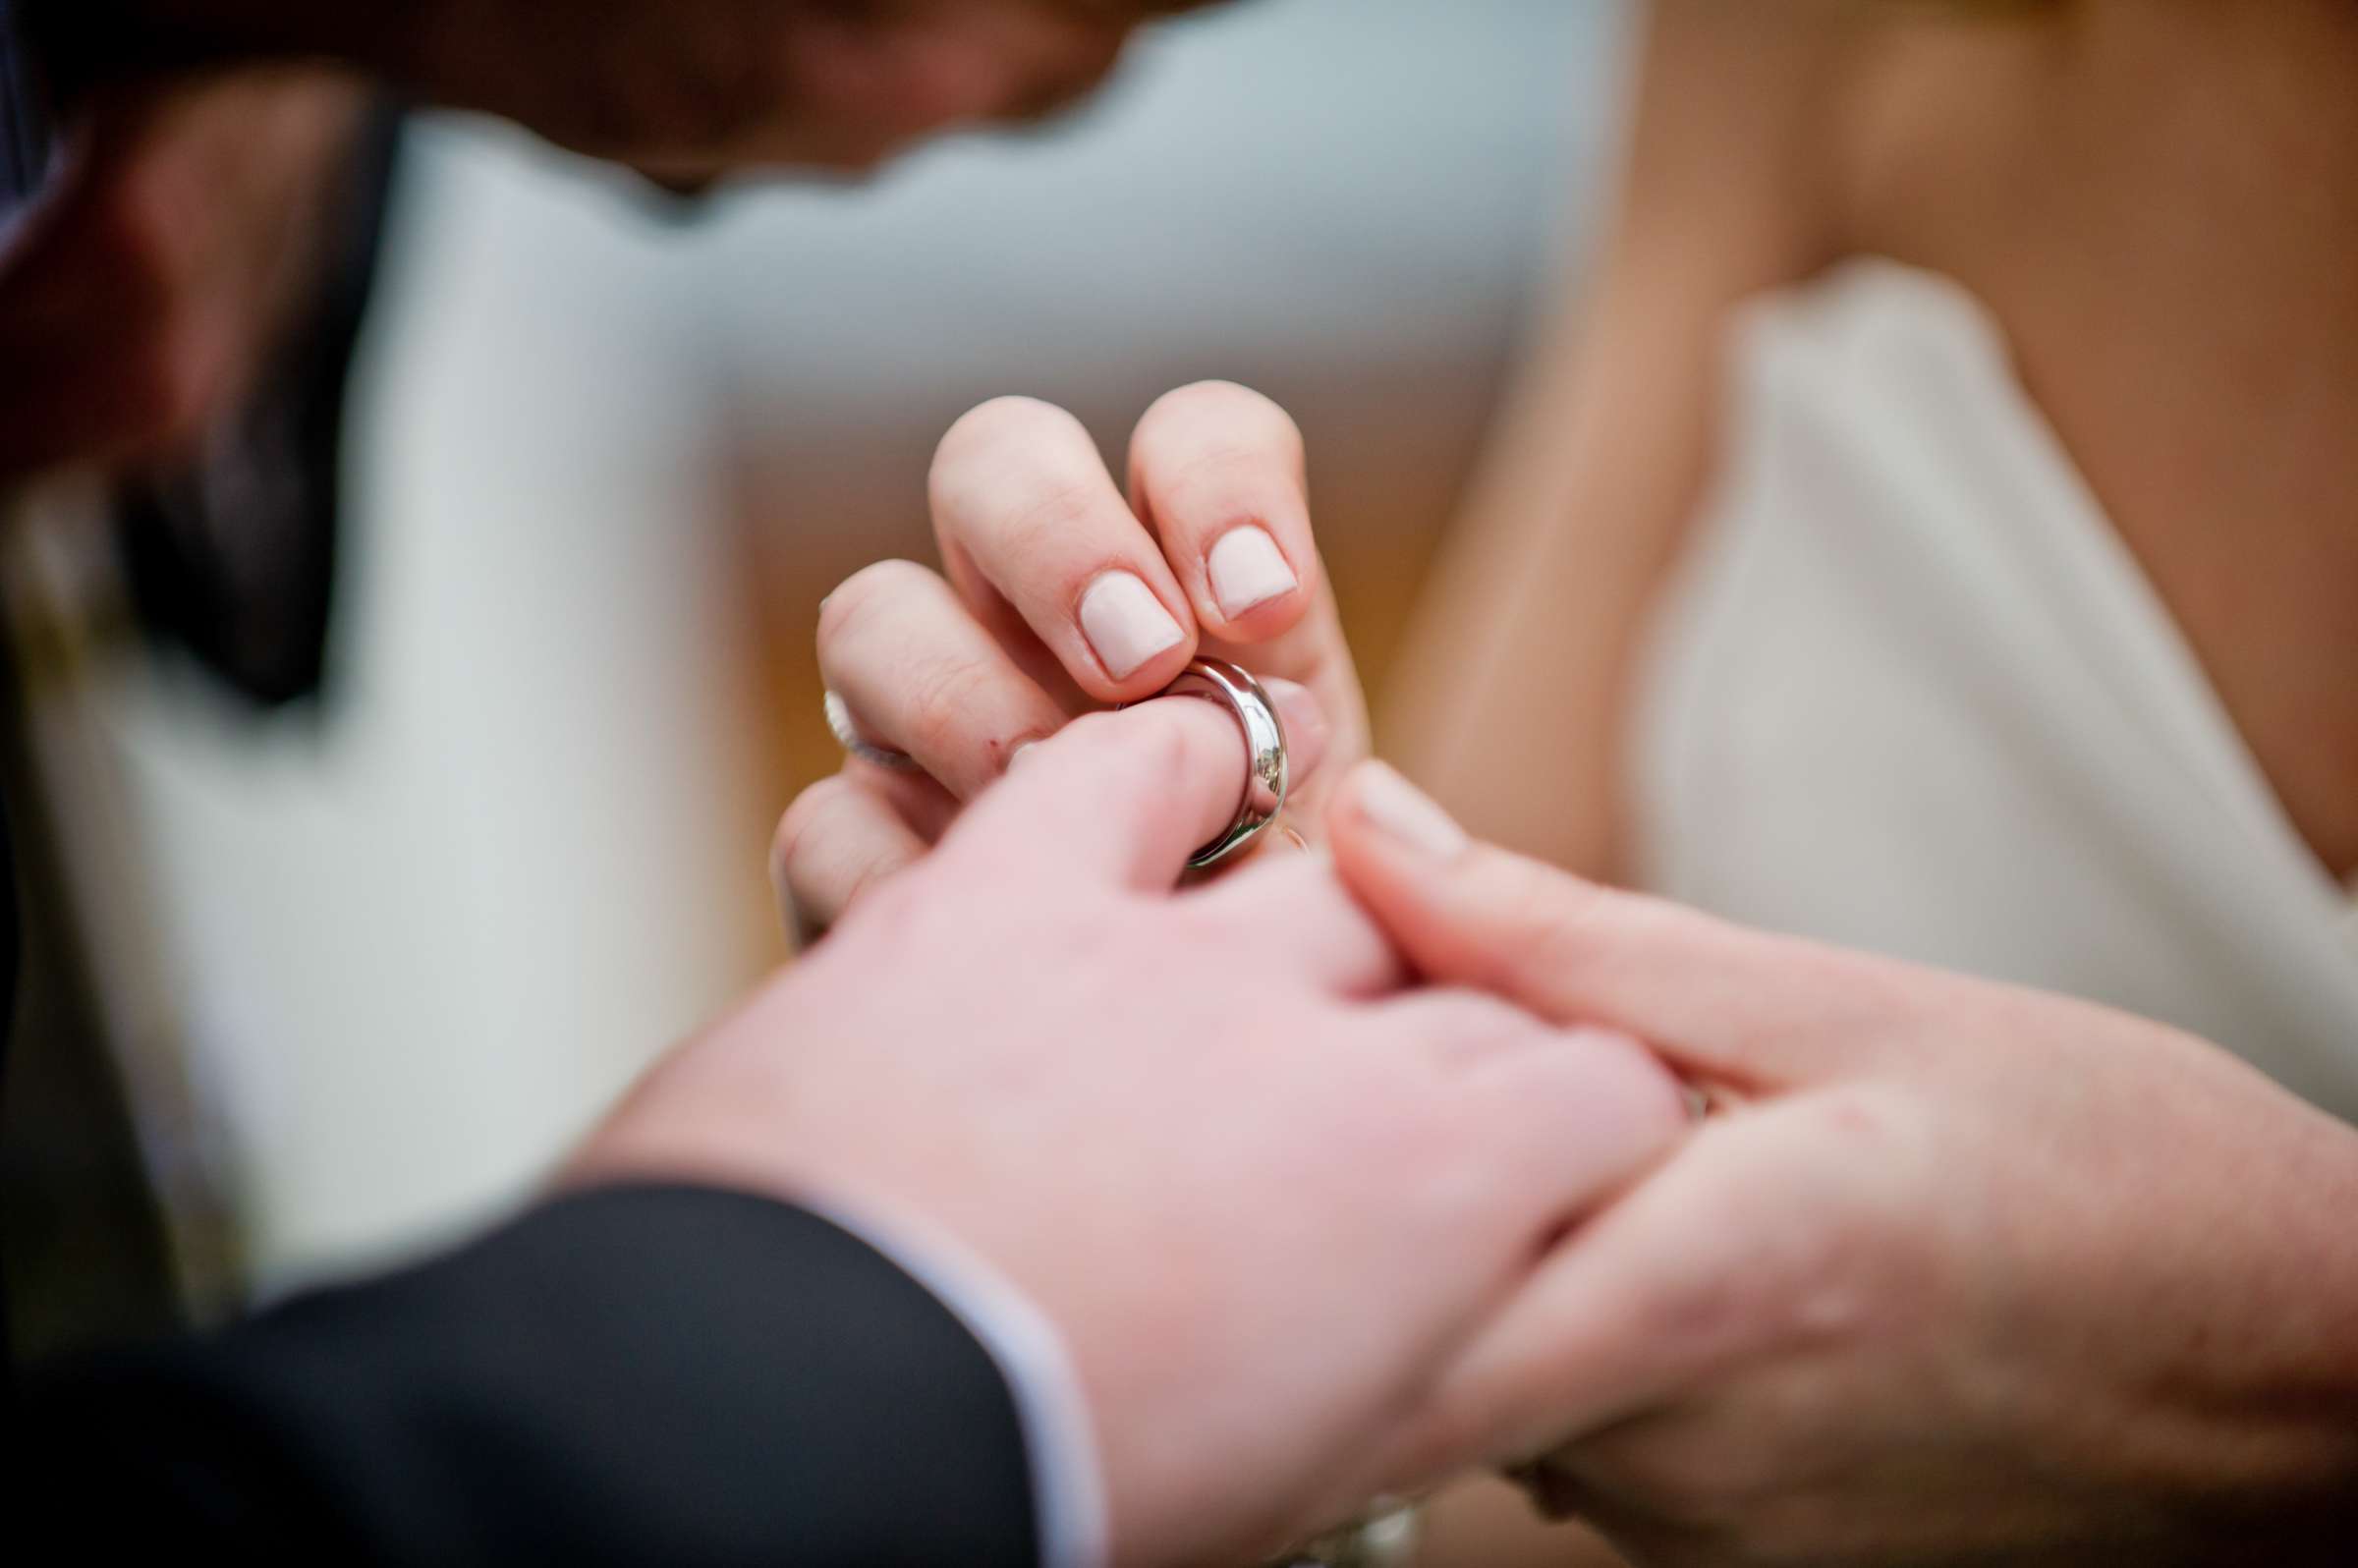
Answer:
(1720, 1310)
(802, 819)
(1211, 492)
(1248, 415)
(1873, 1265)
(1474, 1027)
(943, 701)
(986, 438)
(1404, 1109)
(1168, 751)
(1055, 509)
(1141, 749)
(1381, 1128)
(1094, 733)
(1623, 1079)
(872, 590)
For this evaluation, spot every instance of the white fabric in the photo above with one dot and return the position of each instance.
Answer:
(1912, 694)
(1068, 1477)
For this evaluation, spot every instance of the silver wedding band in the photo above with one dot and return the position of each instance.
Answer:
(848, 736)
(1230, 686)
(1234, 687)
(1386, 1539)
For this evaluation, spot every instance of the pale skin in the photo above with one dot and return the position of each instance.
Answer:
(1957, 1274)
(961, 674)
(2034, 1301)
(1105, 1186)
(2158, 199)
(1198, 1133)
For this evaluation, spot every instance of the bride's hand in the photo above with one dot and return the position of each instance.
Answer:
(1061, 597)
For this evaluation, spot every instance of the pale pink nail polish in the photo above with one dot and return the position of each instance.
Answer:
(1126, 623)
(1247, 571)
(1406, 815)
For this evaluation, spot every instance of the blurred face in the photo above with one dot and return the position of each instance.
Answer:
(145, 295)
(689, 89)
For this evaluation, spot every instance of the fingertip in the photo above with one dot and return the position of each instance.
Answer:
(834, 843)
(1381, 812)
(1308, 731)
(807, 807)
(1464, 911)
(978, 441)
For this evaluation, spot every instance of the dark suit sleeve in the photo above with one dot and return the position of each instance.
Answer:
(642, 1376)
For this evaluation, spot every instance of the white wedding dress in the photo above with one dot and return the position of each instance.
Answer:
(1911, 693)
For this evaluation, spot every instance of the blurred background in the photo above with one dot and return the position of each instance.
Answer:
(400, 735)
(361, 968)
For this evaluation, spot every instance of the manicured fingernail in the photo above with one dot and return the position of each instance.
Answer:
(1248, 571)
(1126, 623)
(1020, 756)
(1407, 815)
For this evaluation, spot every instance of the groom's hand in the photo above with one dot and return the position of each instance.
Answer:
(1267, 1192)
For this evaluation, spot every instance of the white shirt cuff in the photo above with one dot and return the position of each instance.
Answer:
(1068, 1489)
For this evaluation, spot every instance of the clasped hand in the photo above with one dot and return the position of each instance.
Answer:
(1339, 1175)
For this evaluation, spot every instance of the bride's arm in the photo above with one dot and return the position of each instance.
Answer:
(1509, 705)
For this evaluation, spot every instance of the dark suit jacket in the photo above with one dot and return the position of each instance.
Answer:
(662, 1376)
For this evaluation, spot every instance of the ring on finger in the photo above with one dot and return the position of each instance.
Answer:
(1233, 687)
(847, 735)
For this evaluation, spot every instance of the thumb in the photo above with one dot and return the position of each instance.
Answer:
(1128, 797)
(1725, 1003)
